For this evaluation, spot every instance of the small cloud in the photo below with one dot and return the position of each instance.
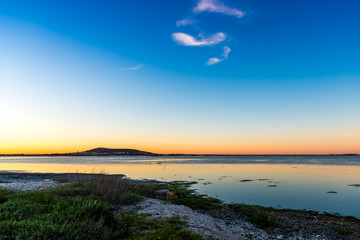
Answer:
(350, 134)
(218, 7)
(188, 40)
(136, 67)
(225, 55)
(213, 61)
(184, 22)
(226, 52)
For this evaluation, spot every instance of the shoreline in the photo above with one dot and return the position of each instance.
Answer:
(288, 221)
(166, 155)
(9, 177)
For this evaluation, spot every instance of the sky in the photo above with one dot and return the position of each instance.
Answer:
(180, 76)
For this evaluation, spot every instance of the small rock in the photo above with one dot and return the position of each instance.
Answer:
(61, 180)
(171, 196)
(354, 185)
(246, 180)
(162, 192)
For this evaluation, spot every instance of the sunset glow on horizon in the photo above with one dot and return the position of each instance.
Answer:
(186, 77)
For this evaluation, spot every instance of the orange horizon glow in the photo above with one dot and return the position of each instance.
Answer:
(250, 149)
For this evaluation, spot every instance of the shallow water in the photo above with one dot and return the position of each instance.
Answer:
(268, 159)
(317, 183)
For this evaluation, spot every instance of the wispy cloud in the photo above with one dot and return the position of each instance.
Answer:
(350, 134)
(225, 55)
(188, 40)
(184, 22)
(136, 67)
(213, 61)
(218, 7)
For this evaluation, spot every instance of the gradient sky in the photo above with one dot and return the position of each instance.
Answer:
(180, 76)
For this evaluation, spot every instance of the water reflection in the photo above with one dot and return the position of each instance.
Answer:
(285, 186)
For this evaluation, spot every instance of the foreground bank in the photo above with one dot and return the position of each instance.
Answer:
(80, 206)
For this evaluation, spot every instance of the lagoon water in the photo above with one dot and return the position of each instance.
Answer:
(319, 183)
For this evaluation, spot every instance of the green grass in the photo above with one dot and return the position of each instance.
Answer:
(186, 196)
(43, 215)
(83, 211)
(256, 215)
(108, 189)
(139, 227)
(4, 195)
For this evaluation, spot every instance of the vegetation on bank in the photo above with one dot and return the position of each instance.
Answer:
(83, 210)
(91, 209)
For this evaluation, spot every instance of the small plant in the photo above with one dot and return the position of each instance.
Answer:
(249, 236)
(198, 202)
(131, 198)
(3, 195)
(343, 230)
(184, 195)
(261, 220)
(112, 190)
(44, 197)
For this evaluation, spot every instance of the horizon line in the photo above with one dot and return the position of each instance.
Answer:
(145, 152)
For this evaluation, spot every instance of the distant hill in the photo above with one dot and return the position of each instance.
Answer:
(112, 152)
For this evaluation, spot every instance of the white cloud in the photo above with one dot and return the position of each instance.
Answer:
(136, 67)
(350, 134)
(184, 22)
(218, 7)
(188, 40)
(213, 61)
(225, 55)
(226, 52)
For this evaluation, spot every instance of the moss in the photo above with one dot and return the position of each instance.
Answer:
(343, 230)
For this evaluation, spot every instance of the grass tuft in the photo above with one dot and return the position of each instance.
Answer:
(107, 188)
(3, 195)
(344, 230)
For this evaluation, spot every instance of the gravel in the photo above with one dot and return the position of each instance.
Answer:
(29, 185)
(209, 226)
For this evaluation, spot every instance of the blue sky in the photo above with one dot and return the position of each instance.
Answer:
(180, 75)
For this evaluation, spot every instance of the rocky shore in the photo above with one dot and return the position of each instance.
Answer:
(226, 221)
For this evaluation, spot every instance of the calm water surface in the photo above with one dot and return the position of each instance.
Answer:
(319, 183)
